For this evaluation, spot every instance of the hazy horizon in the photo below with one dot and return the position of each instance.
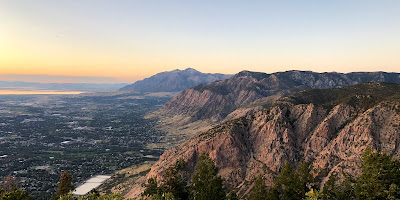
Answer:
(126, 41)
(40, 78)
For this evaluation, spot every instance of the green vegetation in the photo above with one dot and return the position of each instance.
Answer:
(379, 179)
(361, 96)
(259, 189)
(174, 184)
(15, 194)
(64, 185)
(216, 88)
(205, 183)
(9, 190)
(291, 184)
(92, 196)
(232, 196)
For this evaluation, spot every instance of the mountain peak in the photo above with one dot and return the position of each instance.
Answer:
(173, 81)
(191, 70)
(247, 73)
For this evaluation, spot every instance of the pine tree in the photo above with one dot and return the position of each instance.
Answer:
(151, 188)
(379, 173)
(232, 196)
(206, 184)
(259, 189)
(286, 183)
(291, 184)
(64, 185)
(329, 191)
(15, 194)
(175, 181)
(304, 177)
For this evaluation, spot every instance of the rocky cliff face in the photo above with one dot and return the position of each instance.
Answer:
(329, 128)
(214, 101)
(173, 81)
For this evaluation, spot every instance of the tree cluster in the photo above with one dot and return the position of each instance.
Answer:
(379, 180)
(10, 191)
(204, 183)
(290, 184)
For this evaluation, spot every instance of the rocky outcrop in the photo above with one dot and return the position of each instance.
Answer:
(173, 81)
(212, 102)
(329, 128)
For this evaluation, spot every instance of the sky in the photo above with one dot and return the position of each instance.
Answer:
(128, 40)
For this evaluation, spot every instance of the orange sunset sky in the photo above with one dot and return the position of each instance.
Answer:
(129, 40)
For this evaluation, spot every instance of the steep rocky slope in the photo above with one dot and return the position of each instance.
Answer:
(173, 81)
(213, 102)
(329, 128)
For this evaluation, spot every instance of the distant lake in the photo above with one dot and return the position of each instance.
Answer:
(26, 92)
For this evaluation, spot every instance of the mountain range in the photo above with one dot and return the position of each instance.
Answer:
(252, 123)
(194, 110)
(329, 128)
(173, 81)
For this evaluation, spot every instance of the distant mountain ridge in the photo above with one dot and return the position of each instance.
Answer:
(173, 81)
(214, 101)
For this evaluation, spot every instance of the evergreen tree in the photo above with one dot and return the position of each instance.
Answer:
(393, 193)
(111, 197)
(64, 185)
(15, 194)
(286, 183)
(10, 191)
(291, 184)
(259, 189)
(313, 195)
(334, 191)
(69, 196)
(345, 190)
(93, 195)
(232, 196)
(329, 191)
(164, 196)
(206, 184)
(151, 188)
(175, 181)
(379, 174)
(305, 178)
(9, 184)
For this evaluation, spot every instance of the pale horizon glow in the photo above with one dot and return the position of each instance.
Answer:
(38, 92)
(44, 78)
(125, 41)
